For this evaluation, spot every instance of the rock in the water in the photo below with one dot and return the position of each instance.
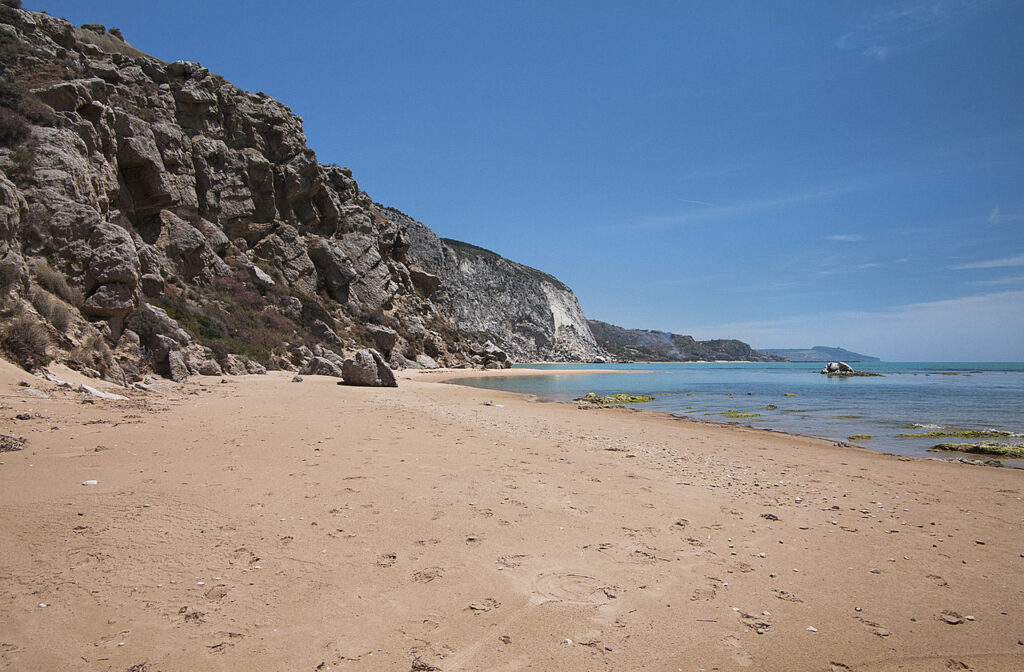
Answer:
(368, 368)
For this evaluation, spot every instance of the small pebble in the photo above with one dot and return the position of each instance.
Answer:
(811, 628)
(43, 605)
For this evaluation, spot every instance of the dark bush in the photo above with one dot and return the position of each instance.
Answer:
(10, 93)
(23, 164)
(9, 274)
(37, 111)
(116, 32)
(221, 350)
(13, 4)
(26, 340)
(95, 27)
(14, 128)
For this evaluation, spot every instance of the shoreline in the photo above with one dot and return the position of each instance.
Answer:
(264, 524)
(965, 457)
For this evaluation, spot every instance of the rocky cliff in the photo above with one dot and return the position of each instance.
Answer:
(661, 346)
(525, 312)
(155, 217)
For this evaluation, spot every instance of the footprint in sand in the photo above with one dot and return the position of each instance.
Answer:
(387, 560)
(875, 628)
(732, 644)
(427, 575)
(568, 587)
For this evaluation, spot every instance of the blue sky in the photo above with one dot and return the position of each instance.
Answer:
(786, 173)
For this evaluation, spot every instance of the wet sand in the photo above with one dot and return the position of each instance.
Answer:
(261, 524)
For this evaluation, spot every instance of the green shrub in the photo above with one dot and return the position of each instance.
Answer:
(25, 338)
(13, 4)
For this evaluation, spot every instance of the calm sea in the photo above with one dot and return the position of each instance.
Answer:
(794, 397)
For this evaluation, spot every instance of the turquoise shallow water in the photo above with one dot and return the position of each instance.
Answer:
(981, 395)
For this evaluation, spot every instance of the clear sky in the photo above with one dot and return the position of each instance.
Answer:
(787, 173)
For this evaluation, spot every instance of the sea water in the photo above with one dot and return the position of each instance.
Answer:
(908, 397)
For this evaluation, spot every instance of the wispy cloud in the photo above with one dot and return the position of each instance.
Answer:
(845, 238)
(882, 34)
(712, 212)
(997, 216)
(1004, 262)
(1000, 281)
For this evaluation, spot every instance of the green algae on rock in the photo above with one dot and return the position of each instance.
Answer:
(1009, 450)
(739, 414)
(614, 399)
(859, 437)
(958, 433)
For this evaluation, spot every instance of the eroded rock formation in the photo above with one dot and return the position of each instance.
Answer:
(179, 224)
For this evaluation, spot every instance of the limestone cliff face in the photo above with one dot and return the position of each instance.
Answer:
(153, 217)
(527, 313)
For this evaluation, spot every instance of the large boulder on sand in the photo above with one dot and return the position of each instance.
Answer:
(368, 368)
(320, 366)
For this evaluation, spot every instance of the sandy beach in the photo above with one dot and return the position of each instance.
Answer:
(260, 524)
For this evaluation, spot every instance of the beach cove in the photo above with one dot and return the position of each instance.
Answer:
(263, 524)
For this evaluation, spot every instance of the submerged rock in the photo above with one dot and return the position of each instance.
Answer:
(1008, 450)
(594, 400)
(844, 369)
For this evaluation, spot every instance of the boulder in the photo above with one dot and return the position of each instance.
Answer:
(320, 366)
(384, 337)
(368, 368)
(837, 367)
(426, 283)
(113, 299)
(234, 365)
(335, 270)
(176, 366)
(210, 368)
(425, 362)
(397, 361)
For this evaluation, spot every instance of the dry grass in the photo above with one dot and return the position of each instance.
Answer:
(55, 282)
(26, 339)
(94, 354)
(52, 308)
